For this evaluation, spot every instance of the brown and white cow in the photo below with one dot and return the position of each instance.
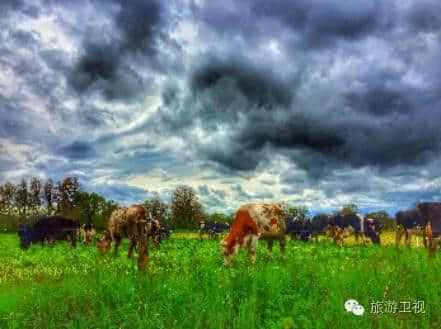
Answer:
(131, 222)
(430, 213)
(254, 221)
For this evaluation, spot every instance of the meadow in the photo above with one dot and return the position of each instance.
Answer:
(186, 286)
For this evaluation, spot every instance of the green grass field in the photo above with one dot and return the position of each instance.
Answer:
(186, 286)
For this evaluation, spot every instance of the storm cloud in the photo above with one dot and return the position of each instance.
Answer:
(320, 102)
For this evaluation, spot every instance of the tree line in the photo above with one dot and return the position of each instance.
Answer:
(388, 223)
(25, 202)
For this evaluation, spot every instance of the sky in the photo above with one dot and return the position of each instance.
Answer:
(318, 103)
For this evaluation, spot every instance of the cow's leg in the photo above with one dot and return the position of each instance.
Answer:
(252, 248)
(338, 238)
(432, 247)
(398, 234)
(117, 243)
(143, 252)
(316, 237)
(270, 243)
(132, 246)
(74, 240)
(201, 235)
(282, 242)
(407, 235)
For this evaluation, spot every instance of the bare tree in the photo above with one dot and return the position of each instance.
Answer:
(8, 202)
(48, 193)
(66, 190)
(22, 197)
(35, 195)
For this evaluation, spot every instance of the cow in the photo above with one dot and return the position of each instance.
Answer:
(86, 233)
(212, 229)
(297, 228)
(430, 213)
(164, 232)
(319, 224)
(131, 222)
(408, 221)
(155, 232)
(49, 228)
(253, 222)
(343, 225)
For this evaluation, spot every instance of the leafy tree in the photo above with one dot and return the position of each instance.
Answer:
(88, 206)
(388, 223)
(186, 208)
(220, 218)
(66, 190)
(349, 209)
(299, 212)
(158, 209)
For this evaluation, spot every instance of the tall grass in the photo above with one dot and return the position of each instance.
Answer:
(186, 286)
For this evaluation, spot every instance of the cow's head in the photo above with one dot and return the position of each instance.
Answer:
(25, 234)
(373, 229)
(104, 242)
(229, 250)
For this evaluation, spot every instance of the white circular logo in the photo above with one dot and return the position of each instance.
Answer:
(351, 305)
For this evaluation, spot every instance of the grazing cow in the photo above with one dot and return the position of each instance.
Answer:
(131, 222)
(86, 233)
(430, 213)
(254, 221)
(344, 225)
(155, 232)
(50, 228)
(220, 228)
(164, 232)
(408, 221)
(297, 228)
(319, 224)
(212, 229)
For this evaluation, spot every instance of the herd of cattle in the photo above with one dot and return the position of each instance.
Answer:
(253, 222)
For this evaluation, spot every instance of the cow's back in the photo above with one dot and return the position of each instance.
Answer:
(269, 218)
(124, 221)
(430, 212)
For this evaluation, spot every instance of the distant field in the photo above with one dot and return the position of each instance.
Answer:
(186, 286)
(387, 238)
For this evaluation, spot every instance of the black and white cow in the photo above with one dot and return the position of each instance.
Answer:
(86, 233)
(49, 228)
(344, 225)
(408, 222)
(430, 213)
(212, 229)
(297, 228)
(319, 224)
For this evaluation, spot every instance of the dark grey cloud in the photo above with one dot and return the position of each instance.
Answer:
(105, 65)
(266, 108)
(425, 16)
(310, 24)
(77, 150)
